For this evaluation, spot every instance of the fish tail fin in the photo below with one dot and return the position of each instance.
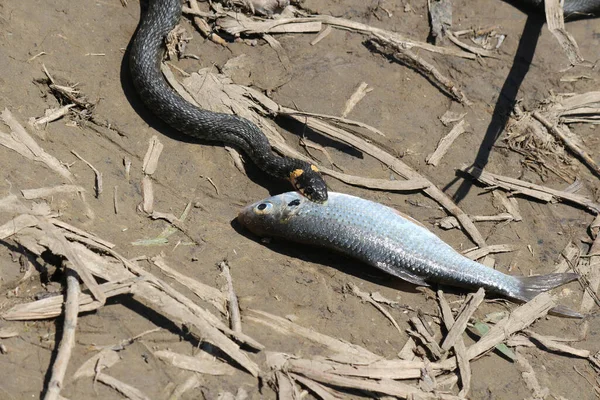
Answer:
(531, 286)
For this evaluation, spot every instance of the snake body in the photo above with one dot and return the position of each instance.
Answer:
(146, 53)
(571, 7)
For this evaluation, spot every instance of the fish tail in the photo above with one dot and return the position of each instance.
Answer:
(531, 286)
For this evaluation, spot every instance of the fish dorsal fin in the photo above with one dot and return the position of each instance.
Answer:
(403, 274)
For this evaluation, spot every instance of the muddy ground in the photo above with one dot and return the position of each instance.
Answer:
(281, 278)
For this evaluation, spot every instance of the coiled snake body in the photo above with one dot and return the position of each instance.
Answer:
(146, 55)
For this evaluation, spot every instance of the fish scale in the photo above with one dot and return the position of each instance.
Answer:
(386, 239)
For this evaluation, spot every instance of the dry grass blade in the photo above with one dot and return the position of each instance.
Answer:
(51, 114)
(407, 57)
(322, 392)
(17, 224)
(571, 145)
(150, 162)
(477, 253)
(426, 337)
(196, 364)
(235, 320)
(81, 233)
(235, 24)
(445, 143)
(530, 379)
(126, 390)
(360, 92)
(21, 142)
(50, 307)
(31, 194)
(105, 358)
(458, 327)
(310, 370)
(510, 204)
(205, 292)
(530, 189)
(98, 183)
(343, 349)
(182, 311)
(460, 349)
(452, 222)
(554, 345)
(556, 25)
(367, 297)
(286, 388)
(77, 264)
(518, 320)
(475, 50)
(67, 341)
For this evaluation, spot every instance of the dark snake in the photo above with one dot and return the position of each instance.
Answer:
(146, 54)
(571, 8)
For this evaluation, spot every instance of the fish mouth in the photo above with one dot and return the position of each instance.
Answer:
(244, 216)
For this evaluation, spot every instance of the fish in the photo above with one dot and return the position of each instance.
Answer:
(389, 240)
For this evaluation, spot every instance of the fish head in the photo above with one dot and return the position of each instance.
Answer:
(269, 217)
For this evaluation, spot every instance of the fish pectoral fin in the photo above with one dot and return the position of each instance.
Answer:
(403, 274)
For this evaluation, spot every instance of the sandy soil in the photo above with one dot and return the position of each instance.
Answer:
(281, 278)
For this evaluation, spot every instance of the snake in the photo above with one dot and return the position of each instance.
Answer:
(146, 54)
(571, 8)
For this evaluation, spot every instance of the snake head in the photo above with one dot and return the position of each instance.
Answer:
(309, 182)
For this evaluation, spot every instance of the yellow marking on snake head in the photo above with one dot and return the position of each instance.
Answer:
(295, 174)
(314, 168)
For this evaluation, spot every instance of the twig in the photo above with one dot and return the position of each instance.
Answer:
(97, 173)
(342, 349)
(360, 92)
(477, 253)
(235, 320)
(51, 115)
(458, 327)
(31, 194)
(422, 332)
(366, 297)
(204, 292)
(150, 163)
(115, 202)
(208, 366)
(530, 189)
(126, 390)
(452, 222)
(556, 25)
(579, 152)
(459, 346)
(68, 336)
(21, 142)
(472, 49)
(445, 143)
(322, 35)
(407, 57)
(236, 23)
(201, 23)
(530, 379)
(76, 263)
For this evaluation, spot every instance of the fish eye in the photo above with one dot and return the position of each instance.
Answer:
(263, 208)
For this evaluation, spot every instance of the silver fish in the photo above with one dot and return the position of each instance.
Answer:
(389, 240)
